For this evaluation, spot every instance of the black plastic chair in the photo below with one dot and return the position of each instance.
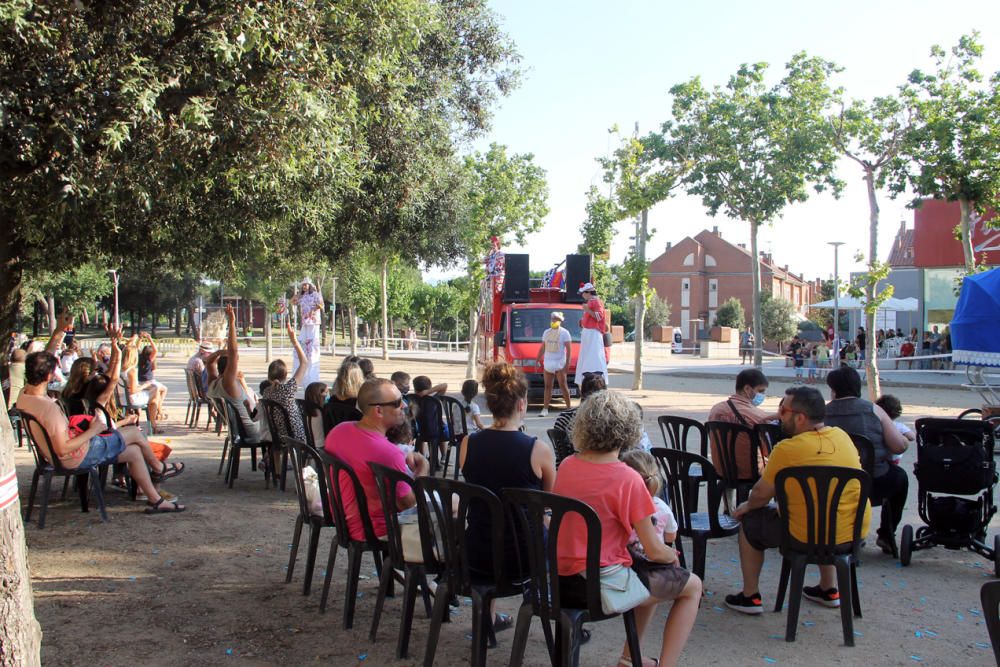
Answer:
(769, 435)
(699, 527)
(458, 428)
(219, 405)
(336, 468)
(196, 399)
(335, 412)
(130, 408)
(279, 425)
(989, 595)
(822, 487)
(528, 508)
(866, 452)
(457, 578)
(677, 431)
(15, 422)
(314, 440)
(415, 567)
(725, 436)
(303, 455)
(561, 445)
(430, 429)
(48, 466)
(237, 441)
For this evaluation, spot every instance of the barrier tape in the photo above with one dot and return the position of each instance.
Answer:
(8, 490)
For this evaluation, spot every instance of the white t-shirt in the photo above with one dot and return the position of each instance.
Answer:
(474, 411)
(555, 341)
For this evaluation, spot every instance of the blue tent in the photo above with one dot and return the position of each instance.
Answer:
(975, 328)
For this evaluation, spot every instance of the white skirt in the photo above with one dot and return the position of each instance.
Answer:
(591, 358)
(310, 343)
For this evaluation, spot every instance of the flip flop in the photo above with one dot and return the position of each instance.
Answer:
(169, 470)
(157, 508)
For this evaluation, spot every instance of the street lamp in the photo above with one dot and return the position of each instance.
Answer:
(114, 278)
(836, 304)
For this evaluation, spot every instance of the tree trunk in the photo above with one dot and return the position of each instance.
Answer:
(640, 302)
(11, 275)
(50, 309)
(177, 321)
(470, 366)
(267, 337)
(385, 309)
(194, 323)
(755, 277)
(352, 316)
(965, 225)
(871, 361)
(21, 637)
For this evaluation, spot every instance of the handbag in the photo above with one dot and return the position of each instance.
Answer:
(607, 339)
(621, 589)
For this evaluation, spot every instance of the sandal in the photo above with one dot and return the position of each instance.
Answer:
(627, 662)
(157, 507)
(169, 470)
(503, 622)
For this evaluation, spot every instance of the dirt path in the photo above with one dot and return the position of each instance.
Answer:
(207, 586)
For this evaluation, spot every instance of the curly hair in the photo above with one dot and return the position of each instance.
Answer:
(606, 421)
(504, 386)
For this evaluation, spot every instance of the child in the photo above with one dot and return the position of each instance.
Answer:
(894, 409)
(470, 389)
(797, 358)
(645, 444)
(430, 421)
(813, 364)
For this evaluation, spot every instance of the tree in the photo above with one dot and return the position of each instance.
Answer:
(955, 141)
(657, 313)
(730, 314)
(755, 148)
(75, 288)
(872, 135)
(777, 319)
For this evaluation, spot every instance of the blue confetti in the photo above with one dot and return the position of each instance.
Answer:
(916, 658)
(468, 636)
(258, 549)
(709, 594)
(902, 584)
(974, 612)
(918, 634)
(858, 634)
(923, 600)
(777, 636)
(361, 594)
(717, 609)
(324, 573)
(809, 624)
(131, 578)
(929, 633)
(959, 617)
(289, 546)
(229, 651)
(170, 563)
(156, 552)
(362, 656)
(769, 660)
(982, 645)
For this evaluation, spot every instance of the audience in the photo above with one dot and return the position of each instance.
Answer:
(231, 386)
(315, 399)
(282, 390)
(810, 442)
(743, 407)
(343, 403)
(607, 424)
(146, 374)
(592, 382)
(470, 389)
(141, 394)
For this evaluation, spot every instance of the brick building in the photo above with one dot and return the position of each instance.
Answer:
(698, 274)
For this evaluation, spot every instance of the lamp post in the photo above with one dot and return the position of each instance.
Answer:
(836, 304)
(114, 278)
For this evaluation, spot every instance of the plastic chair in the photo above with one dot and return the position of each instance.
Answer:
(220, 419)
(302, 455)
(335, 412)
(822, 487)
(311, 438)
(430, 430)
(989, 595)
(677, 430)
(129, 408)
(237, 442)
(457, 578)
(415, 569)
(699, 527)
(48, 466)
(866, 452)
(458, 428)
(528, 508)
(279, 425)
(196, 399)
(725, 436)
(768, 435)
(337, 470)
(561, 444)
(15, 422)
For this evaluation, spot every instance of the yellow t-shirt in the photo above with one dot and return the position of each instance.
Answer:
(830, 446)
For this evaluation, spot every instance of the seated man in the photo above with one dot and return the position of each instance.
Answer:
(743, 408)
(197, 364)
(857, 415)
(358, 443)
(810, 443)
(92, 446)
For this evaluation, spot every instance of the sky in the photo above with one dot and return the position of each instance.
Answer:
(592, 64)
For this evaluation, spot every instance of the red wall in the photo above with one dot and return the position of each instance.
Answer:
(934, 242)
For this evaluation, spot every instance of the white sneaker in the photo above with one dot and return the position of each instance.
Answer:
(543, 413)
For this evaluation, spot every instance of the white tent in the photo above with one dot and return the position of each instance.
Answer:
(854, 303)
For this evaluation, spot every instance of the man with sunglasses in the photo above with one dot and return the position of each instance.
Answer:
(361, 442)
(810, 443)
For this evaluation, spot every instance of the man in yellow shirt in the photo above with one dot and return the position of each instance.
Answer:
(811, 443)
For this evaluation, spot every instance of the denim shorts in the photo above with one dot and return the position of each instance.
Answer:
(103, 449)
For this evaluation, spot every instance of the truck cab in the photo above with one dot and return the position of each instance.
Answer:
(518, 340)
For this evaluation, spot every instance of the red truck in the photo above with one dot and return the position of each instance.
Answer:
(511, 328)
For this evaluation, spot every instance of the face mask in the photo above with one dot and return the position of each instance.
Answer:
(758, 399)
(555, 325)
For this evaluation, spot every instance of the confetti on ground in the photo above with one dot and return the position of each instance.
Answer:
(982, 645)
(923, 600)
(769, 660)
(930, 633)
(258, 549)
(858, 634)
(777, 636)
(709, 594)
(468, 636)
(229, 651)
(362, 656)
(156, 552)
(916, 658)
(809, 624)
(132, 579)
(959, 617)
(918, 634)
(361, 594)
(717, 609)
(974, 612)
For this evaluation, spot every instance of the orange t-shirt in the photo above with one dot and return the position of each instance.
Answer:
(620, 498)
(591, 322)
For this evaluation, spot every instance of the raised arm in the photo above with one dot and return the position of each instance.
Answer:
(230, 378)
(63, 322)
(304, 362)
(114, 366)
(152, 346)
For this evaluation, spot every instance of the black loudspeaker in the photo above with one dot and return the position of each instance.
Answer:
(515, 281)
(577, 273)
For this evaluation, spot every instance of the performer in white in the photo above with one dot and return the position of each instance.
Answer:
(310, 304)
(592, 327)
(553, 356)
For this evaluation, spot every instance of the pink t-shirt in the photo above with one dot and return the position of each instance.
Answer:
(620, 498)
(357, 447)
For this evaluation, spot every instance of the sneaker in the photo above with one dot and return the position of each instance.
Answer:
(827, 598)
(543, 413)
(887, 545)
(745, 605)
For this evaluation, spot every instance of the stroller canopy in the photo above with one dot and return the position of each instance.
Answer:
(975, 327)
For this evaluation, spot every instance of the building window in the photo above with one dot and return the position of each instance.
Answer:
(710, 261)
(689, 260)
(685, 293)
(939, 296)
(713, 293)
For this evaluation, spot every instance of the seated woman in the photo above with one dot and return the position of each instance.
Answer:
(343, 403)
(141, 394)
(231, 386)
(282, 390)
(499, 457)
(147, 371)
(315, 399)
(73, 393)
(605, 424)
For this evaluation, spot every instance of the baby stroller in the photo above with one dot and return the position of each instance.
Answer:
(955, 475)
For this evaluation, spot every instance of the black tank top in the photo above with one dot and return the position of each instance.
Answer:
(496, 460)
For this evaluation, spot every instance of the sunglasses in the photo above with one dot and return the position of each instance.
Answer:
(398, 402)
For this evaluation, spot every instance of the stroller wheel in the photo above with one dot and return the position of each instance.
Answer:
(996, 555)
(906, 545)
